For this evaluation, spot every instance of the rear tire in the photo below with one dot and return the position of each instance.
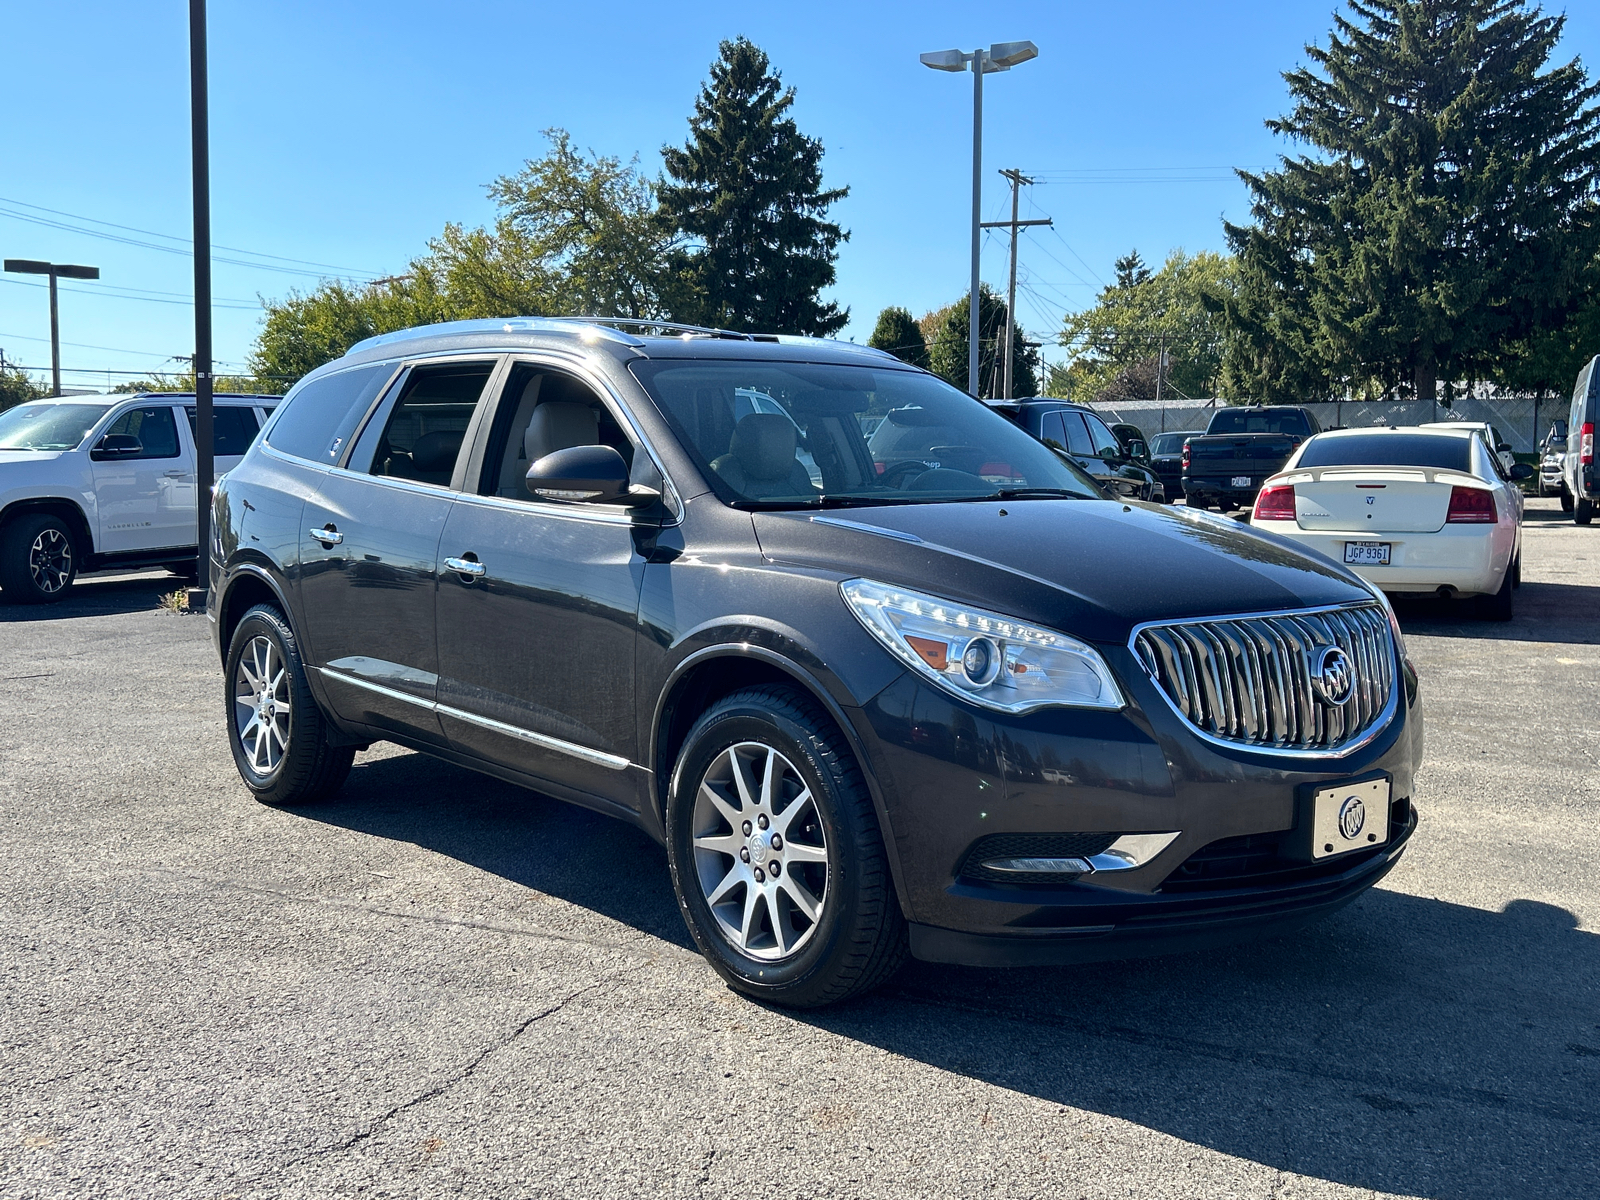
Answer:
(279, 737)
(1500, 606)
(799, 780)
(1566, 499)
(1583, 511)
(38, 559)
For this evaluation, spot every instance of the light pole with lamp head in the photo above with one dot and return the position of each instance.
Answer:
(31, 266)
(1001, 56)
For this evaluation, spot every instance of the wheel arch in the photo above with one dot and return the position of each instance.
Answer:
(69, 510)
(248, 586)
(713, 672)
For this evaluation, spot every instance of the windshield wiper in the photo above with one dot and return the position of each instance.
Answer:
(1034, 493)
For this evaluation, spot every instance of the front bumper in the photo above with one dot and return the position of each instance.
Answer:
(950, 774)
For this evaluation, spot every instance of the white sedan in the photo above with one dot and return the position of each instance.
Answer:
(1412, 510)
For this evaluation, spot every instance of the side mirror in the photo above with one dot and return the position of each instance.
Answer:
(586, 475)
(116, 445)
(1521, 471)
(1137, 449)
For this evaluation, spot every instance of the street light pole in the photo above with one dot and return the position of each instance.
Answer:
(32, 266)
(205, 463)
(1001, 56)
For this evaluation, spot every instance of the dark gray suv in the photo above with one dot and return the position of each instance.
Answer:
(871, 703)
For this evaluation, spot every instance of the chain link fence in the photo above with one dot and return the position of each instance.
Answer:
(1521, 421)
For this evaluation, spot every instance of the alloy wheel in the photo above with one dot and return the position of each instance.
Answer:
(261, 704)
(761, 854)
(50, 561)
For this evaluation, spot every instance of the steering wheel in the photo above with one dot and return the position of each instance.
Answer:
(897, 476)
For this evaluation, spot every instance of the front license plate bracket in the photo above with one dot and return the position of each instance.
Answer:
(1341, 818)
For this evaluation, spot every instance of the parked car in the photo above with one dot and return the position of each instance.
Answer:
(1166, 460)
(1419, 510)
(1552, 458)
(946, 708)
(1080, 434)
(1242, 446)
(1580, 480)
(90, 482)
(1491, 435)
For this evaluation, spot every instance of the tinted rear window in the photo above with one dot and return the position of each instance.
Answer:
(1390, 450)
(315, 420)
(1246, 421)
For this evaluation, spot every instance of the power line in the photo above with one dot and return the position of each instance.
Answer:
(112, 292)
(304, 262)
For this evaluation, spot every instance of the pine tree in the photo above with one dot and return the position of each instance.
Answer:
(1444, 213)
(747, 191)
(897, 332)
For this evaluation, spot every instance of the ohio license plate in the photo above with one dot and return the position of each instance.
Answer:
(1240, 481)
(1372, 554)
(1351, 816)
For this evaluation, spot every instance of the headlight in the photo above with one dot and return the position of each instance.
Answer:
(981, 656)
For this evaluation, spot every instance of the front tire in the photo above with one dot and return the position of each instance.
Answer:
(1566, 499)
(279, 737)
(765, 780)
(38, 559)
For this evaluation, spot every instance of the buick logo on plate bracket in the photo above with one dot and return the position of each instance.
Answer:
(1332, 677)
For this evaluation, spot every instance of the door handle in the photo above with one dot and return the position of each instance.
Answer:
(176, 474)
(329, 537)
(465, 566)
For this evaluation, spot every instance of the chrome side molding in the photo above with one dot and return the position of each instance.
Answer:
(1127, 852)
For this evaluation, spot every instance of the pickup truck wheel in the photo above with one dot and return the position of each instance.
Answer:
(776, 856)
(279, 737)
(1583, 511)
(38, 559)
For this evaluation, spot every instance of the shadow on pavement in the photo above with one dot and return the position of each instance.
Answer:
(101, 596)
(1405, 1044)
(1545, 612)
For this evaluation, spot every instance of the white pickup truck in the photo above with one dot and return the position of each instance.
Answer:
(91, 482)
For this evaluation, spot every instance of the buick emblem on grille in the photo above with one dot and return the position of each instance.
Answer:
(1332, 676)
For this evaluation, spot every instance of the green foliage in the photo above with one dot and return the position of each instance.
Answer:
(947, 349)
(18, 387)
(1444, 215)
(898, 333)
(301, 333)
(1113, 347)
(746, 193)
(1550, 360)
(184, 381)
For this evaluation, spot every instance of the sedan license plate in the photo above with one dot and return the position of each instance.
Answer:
(1372, 554)
(1351, 816)
(1240, 481)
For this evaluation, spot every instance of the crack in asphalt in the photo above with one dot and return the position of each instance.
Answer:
(632, 944)
(460, 1075)
(1371, 1081)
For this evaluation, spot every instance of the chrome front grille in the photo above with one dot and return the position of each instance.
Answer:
(1248, 680)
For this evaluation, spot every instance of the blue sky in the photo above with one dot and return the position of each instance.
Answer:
(346, 134)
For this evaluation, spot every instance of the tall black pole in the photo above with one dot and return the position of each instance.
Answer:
(205, 466)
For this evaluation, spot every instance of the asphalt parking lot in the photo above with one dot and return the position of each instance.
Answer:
(439, 985)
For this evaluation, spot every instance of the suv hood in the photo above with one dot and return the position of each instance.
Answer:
(8, 458)
(1091, 568)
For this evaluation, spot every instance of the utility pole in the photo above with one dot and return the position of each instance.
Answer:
(1161, 367)
(1017, 179)
(200, 144)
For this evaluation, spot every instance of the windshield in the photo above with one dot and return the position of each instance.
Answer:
(790, 435)
(48, 426)
(1440, 451)
(1169, 443)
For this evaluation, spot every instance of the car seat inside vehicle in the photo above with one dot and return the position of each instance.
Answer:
(761, 463)
(542, 412)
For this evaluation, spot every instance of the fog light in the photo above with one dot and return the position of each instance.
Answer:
(1039, 866)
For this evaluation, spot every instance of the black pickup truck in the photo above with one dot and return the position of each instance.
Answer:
(1241, 447)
